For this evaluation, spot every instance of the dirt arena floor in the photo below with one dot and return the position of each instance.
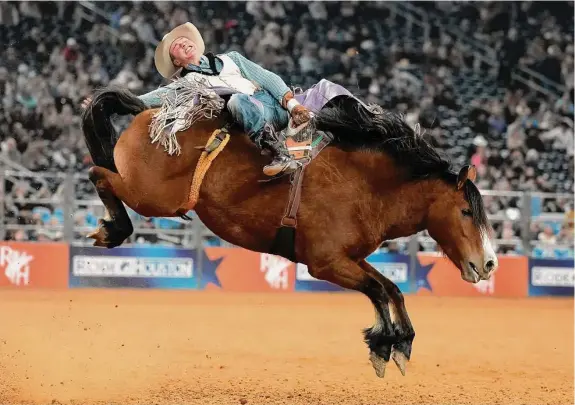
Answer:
(177, 347)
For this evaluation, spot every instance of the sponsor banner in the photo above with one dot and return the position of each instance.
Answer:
(33, 265)
(394, 266)
(236, 269)
(133, 267)
(551, 277)
(305, 282)
(437, 275)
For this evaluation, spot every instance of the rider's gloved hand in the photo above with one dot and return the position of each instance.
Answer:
(300, 115)
(298, 112)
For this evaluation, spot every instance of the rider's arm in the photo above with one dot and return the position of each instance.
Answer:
(266, 79)
(153, 98)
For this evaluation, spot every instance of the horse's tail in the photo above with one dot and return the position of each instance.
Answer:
(99, 132)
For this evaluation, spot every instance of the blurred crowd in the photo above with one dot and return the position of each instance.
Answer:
(519, 139)
(536, 35)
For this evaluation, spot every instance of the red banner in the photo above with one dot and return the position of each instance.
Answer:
(244, 270)
(441, 277)
(33, 265)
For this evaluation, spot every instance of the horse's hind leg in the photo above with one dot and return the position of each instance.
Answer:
(404, 331)
(348, 274)
(116, 227)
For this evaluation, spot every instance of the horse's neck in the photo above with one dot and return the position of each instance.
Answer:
(403, 204)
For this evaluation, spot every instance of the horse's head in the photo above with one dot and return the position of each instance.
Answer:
(457, 221)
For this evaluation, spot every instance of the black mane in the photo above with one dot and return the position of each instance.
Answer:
(357, 128)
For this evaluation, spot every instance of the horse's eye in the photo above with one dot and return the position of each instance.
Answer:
(467, 213)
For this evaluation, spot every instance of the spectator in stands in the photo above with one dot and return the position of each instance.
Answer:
(509, 55)
(519, 139)
(547, 237)
(567, 235)
(479, 158)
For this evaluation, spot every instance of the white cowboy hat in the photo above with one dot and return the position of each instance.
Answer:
(162, 58)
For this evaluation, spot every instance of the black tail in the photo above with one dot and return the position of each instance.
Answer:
(99, 133)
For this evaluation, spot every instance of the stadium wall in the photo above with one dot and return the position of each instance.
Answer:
(59, 265)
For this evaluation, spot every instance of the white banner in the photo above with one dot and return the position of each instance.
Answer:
(396, 272)
(552, 276)
(118, 266)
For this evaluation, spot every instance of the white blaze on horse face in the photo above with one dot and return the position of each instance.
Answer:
(488, 251)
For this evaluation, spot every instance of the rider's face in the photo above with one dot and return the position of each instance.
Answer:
(183, 52)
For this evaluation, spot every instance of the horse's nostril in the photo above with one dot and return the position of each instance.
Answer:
(489, 265)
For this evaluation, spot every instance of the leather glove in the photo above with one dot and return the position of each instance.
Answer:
(300, 115)
(298, 112)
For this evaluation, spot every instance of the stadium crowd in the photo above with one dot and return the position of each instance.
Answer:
(518, 139)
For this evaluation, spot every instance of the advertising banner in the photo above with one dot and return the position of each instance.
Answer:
(305, 282)
(33, 265)
(394, 266)
(236, 269)
(551, 277)
(133, 267)
(437, 275)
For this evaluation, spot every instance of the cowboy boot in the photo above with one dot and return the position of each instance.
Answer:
(282, 161)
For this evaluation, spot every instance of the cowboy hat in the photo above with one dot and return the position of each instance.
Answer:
(162, 58)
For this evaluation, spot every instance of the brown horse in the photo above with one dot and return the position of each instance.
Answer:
(378, 180)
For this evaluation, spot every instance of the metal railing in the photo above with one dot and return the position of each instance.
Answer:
(410, 18)
(538, 82)
(66, 203)
(486, 52)
(93, 12)
(69, 206)
(480, 50)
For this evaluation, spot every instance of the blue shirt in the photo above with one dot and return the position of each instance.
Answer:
(252, 71)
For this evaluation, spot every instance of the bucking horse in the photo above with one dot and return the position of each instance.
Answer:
(369, 177)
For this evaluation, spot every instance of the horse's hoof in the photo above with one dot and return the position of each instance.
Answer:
(100, 237)
(98, 234)
(378, 364)
(400, 360)
(104, 238)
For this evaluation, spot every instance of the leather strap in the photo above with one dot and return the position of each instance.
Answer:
(290, 215)
(212, 61)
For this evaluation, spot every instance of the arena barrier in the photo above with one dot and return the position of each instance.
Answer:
(58, 265)
(34, 265)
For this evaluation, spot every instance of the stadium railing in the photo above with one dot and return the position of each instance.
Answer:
(482, 50)
(64, 207)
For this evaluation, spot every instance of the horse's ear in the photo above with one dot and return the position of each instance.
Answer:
(468, 172)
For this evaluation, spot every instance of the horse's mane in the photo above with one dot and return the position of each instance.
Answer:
(375, 129)
(357, 128)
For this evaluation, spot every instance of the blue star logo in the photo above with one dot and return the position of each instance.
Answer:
(209, 269)
(422, 276)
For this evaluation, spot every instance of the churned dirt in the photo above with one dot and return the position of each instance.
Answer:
(182, 347)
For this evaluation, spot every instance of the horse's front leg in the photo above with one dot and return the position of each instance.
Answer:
(404, 331)
(346, 273)
(116, 226)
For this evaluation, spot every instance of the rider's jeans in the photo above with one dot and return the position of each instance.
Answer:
(252, 112)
